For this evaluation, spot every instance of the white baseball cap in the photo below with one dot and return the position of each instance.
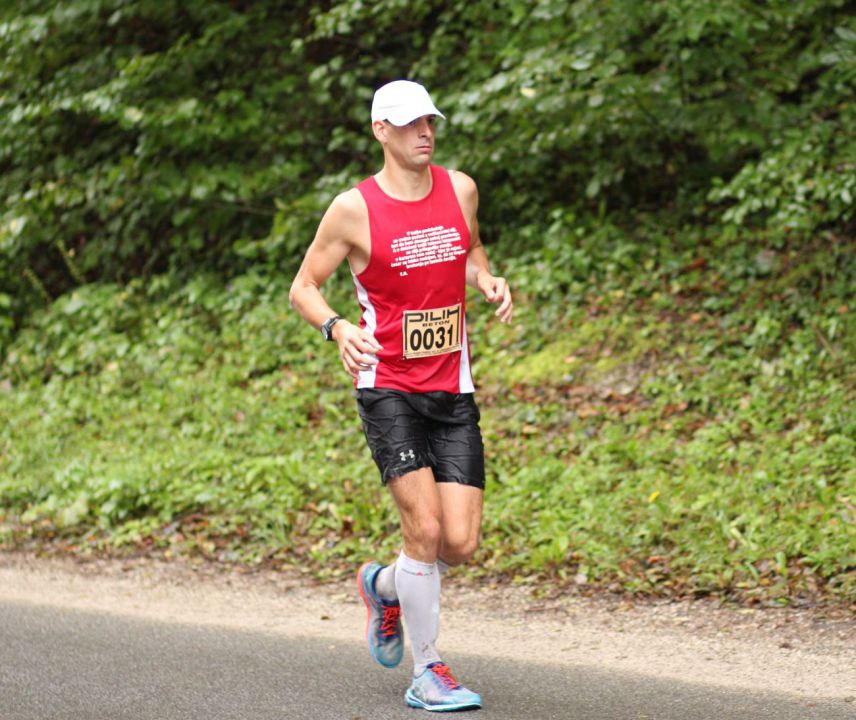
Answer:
(402, 101)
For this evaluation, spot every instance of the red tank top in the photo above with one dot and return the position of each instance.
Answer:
(413, 290)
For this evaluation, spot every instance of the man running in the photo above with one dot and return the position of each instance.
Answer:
(410, 235)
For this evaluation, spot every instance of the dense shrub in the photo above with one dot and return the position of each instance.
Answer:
(144, 136)
(668, 184)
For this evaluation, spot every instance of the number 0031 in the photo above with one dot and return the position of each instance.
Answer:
(432, 332)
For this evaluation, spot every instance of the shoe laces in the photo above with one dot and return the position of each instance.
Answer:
(389, 625)
(444, 675)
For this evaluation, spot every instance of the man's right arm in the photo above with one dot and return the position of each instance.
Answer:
(334, 242)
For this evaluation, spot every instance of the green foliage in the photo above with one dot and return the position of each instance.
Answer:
(669, 185)
(806, 178)
(180, 401)
(685, 431)
(142, 137)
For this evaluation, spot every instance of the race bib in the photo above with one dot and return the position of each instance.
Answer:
(432, 332)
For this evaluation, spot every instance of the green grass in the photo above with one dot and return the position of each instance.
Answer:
(652, 429)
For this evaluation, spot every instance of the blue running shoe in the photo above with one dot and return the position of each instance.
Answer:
(384, 632)
(436, 689)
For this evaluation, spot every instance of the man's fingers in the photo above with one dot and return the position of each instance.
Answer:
(358, 354)
(505, 309)
(504, 312)
(506, 301)
(497, 292)
(364, 342)
(372, 345)
(357, 349)
(355, 368)
(360, 359)
(366, 351)
(501, 292)
(350, 367)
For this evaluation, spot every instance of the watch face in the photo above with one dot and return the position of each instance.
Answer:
(327, 327)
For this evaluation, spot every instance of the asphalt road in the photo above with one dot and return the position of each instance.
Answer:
(60, 664)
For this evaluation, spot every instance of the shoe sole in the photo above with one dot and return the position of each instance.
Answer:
(415, 702)
(369, 617)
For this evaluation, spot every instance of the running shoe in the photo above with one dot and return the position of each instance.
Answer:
(436, 689)
(384, 631)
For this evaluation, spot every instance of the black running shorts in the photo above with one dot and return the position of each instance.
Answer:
(408, 431)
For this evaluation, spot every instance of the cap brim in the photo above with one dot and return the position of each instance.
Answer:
(403, 116)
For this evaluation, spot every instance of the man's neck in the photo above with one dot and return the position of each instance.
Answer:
(404, 183)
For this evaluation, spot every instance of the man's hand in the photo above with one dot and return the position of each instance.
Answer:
(496, 291)
(357, 347)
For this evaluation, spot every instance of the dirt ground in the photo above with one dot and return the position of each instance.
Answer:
(806, 653)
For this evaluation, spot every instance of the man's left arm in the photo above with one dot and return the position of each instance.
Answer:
(495, 289)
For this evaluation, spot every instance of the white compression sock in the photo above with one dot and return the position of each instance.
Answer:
(418, 586)
(385, 580)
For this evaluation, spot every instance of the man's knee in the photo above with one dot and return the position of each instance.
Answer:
(458, 549)
(424, 536)
(430, 531)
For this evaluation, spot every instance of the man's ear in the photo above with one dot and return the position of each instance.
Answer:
(379, 130)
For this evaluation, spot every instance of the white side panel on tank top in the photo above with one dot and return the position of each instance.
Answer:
(366, 378)
(465, 376)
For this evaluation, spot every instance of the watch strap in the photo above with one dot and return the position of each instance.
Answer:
(327, 327)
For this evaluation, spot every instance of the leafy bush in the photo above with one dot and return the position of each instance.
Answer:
(685, 431)
(668, 185)
(143, 137)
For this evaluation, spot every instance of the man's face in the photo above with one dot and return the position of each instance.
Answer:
(411, 144)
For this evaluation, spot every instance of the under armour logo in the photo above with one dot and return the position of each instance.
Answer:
(407, 455)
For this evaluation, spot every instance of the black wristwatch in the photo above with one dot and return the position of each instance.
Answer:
(327, 327)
